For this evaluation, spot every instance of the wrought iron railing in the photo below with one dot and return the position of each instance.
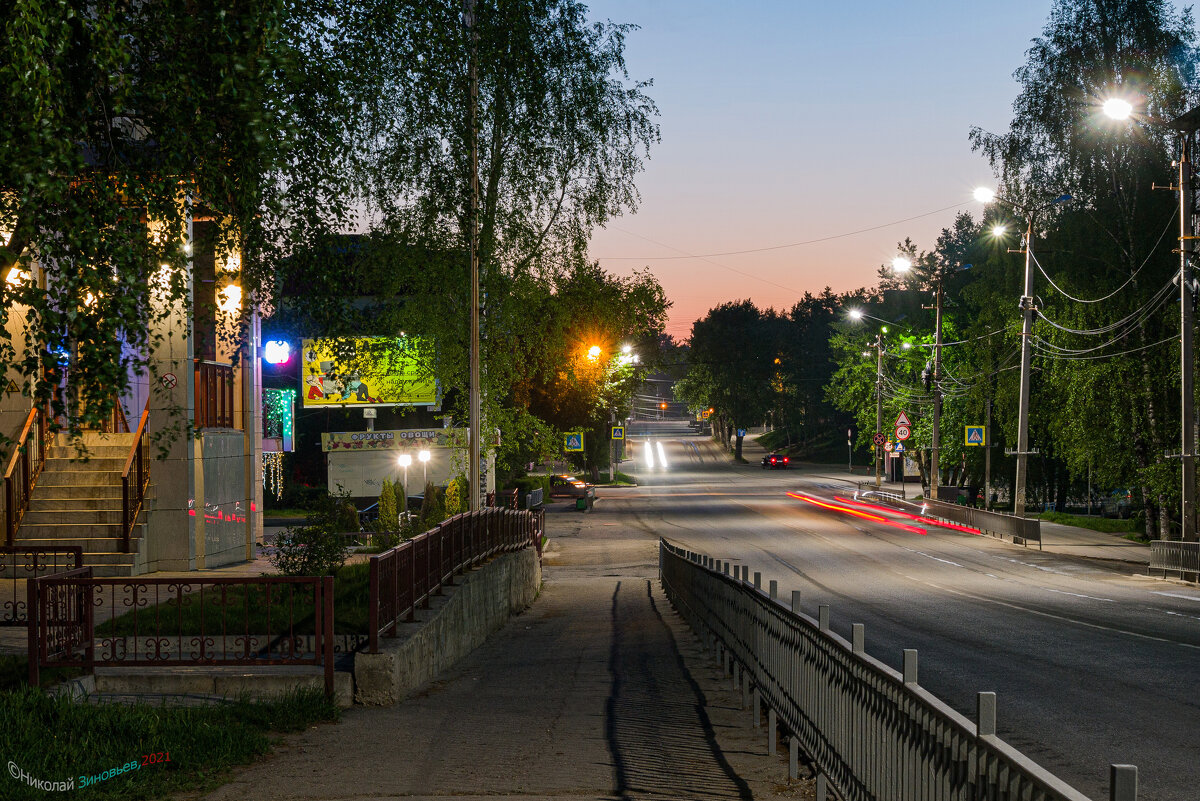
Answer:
(258, 621)
(214, 395)
(403, 578)
(19, 563)
(134, 479)
(1173, 556)
(24, 467)
(872, 732)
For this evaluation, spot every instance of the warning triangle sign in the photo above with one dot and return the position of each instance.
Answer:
(902, 420)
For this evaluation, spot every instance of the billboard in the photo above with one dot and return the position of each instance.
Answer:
(366, 371)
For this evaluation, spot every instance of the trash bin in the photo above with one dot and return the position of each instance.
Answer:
(581, 504)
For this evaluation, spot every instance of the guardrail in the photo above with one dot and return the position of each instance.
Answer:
(262, 620)
(997, 524)
(1176, 557)
(24, 467)
(535, 499)
(872, 732)
(21, 563)
(403, 578)
(135, 478)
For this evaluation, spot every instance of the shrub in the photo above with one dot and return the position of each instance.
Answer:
(309, 551)
(456, 496)
(388, 516)
(433, 508)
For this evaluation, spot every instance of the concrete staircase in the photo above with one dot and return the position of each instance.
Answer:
(78, 503)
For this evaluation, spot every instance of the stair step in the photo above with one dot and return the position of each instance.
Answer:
(94, 452)
(79, 478)
(80, 516)
(42, 531)
(111, 504)
(112, 464)
(100, 545)
(93, 438)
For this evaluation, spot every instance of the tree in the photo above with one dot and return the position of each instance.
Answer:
(733, 352)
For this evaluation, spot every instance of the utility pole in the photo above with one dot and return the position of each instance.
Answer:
(1188, 390)
(987, 457)
(935, 473)
(1026, 357)
(473, 434)
(878, 407)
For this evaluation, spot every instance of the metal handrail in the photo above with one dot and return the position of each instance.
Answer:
(18, 488)
(133, 486)
(872, 731)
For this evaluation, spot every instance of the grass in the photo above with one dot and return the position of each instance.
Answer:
(623, 479)
(286, 513)
(57, 739)
(351, 592)
(1107, 525)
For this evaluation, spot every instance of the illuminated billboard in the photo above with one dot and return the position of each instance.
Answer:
(366, 371)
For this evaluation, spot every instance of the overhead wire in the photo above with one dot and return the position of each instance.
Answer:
(1133, 319)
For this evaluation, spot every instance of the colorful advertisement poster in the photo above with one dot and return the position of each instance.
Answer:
(366, 371)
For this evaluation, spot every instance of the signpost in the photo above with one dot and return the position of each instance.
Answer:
(903, 432)
(573, 441)
(903, 420)
(618, 432)
(975, 435)
(879, 438)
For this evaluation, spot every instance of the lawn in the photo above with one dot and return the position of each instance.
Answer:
(1105, 524)
(230, 610)
(167, 749)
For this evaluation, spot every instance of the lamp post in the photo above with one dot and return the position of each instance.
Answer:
(985, 195)
(1186, 125)
(405, 460)
(423, 456)
(475, 391)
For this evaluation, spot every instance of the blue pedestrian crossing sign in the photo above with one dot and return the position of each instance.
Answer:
(899, 448)
(573, 441)
(618, 432)
(975, 435)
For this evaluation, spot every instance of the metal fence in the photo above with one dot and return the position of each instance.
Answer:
(19, 564)
(403, 578)
(873, 733)
(1020, 529)
(263, 620)
(1173, 556)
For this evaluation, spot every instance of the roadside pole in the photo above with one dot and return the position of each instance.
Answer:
(878, 407)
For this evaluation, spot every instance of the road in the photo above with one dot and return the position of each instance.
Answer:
(1092, 665)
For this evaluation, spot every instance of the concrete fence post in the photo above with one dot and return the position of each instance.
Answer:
(737, 675)
(772, 731)
(910, 666)
(822, 787)
(745, 689)
(773, 589)
(1122, 782)
(757, 709)
(757, 580)
(985, 714)
(793, 758)
(858, 638)
(823, 617)
(725, 567)
(795, 600)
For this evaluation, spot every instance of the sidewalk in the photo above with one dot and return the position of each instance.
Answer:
(597, 691)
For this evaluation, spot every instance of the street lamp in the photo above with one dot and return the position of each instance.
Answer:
(424, 457)
(985, 195)
(405, 460)
(1186, 124)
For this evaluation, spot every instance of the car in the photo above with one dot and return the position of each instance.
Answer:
(1118, 503)
(775, 461)
(563, 486)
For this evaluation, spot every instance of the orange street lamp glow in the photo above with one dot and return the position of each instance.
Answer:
(593, 353)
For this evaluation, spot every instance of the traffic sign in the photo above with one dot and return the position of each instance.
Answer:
(618, 432)
(903, 432)
(975, 435)
(899, 447)
(879, 438)
(573, 441)
(903, 420)
(889, 446)
(741, 432)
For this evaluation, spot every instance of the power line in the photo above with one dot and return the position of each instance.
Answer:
(770, 247)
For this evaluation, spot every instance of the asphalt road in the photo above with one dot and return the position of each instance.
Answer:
(1092, 664)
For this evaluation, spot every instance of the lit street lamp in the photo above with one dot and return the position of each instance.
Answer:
(1186, 124)
(424, 457)
(405, 460)
(986, 195)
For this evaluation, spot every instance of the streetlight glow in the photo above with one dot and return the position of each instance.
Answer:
(855, 314)
(985, 195)
(901, 264)
(1118, 108)
(999, 230)
(593, 353)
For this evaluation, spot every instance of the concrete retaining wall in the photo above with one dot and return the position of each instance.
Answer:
(455, 624)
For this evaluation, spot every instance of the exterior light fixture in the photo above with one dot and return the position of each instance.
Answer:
(229, 299)
(1118, 108)
(593, 353)
(855, 314)
(277, 352)
(985, 195)
(901, 265)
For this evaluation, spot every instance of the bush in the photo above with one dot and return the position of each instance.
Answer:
(388, 516)
(309, 551)
(433, 507)
(456, 496)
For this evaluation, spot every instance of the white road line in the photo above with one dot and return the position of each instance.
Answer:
(1177, 595)
(1078, 595)
(1181, 614)
(939, 559)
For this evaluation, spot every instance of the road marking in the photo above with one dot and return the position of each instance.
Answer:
(1177, 595)
(1037, 567)
(936, 558)
(1181, 614)
(1078, 595)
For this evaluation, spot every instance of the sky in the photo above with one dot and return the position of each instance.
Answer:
(798, 120)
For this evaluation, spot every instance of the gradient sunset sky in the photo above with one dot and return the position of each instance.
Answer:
(786, 122)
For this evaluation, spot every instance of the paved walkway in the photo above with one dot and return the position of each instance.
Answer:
(597, 691)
